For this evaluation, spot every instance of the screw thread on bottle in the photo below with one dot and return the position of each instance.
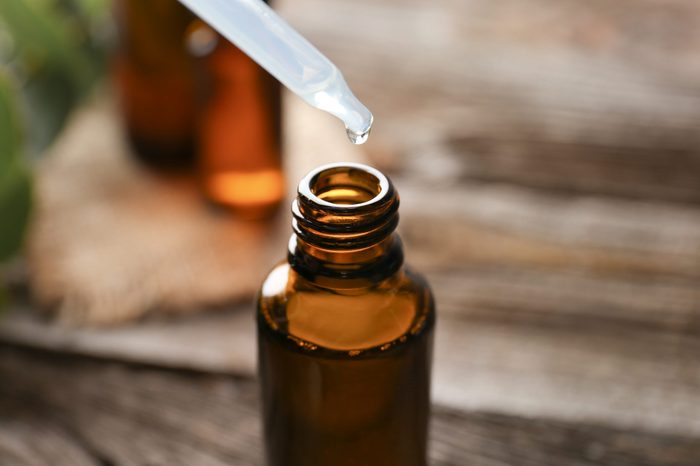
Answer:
(344, 219)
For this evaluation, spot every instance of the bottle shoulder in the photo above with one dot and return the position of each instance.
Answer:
(282, 280)
(345, 318)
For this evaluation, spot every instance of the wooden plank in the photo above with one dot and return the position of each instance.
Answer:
(214, 341)
(488, 439)
(27, 439)
(628, 377)
(566, 167)
(129, 415)
(132, 416)
(563, 95)
(623, 377)
(568, 297)
(512, 254)
(446, 225)
(223, 341)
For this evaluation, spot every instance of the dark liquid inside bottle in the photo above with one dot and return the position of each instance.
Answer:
(370, 409)
(345, 338)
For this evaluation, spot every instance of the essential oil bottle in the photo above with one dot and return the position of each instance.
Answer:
(155, 82)
(345, 331)
(240, 156)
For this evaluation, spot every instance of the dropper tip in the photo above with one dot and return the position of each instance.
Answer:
(360, 137)
(357, 138)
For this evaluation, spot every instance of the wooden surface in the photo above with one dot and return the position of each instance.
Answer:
(499, 359)
(547, 154)
(78, 411)
(560, 95)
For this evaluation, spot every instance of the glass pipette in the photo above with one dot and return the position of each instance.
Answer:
(264, 36)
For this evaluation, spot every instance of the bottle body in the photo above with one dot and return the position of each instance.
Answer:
(155, 81)
(240, 161)
(327, 406)
(344, 349)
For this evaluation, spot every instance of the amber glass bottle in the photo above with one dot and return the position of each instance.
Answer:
(155, 80)
(345, 331)
(240, 152)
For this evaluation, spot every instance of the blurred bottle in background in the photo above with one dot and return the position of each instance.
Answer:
(240, 146)
(190, 97)
(155, 81)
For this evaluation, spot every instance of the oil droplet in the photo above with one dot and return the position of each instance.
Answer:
(358, 138)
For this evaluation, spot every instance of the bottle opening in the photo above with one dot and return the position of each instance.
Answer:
(345, 185)
(345, 206)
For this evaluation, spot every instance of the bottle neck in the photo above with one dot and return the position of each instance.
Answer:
(344, 219)
(372, 264)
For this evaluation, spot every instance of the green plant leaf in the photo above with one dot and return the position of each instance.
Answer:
(10, 132)
(44, 39)
(15, 207)
(49, 97)
(55, 58)
(15, 180)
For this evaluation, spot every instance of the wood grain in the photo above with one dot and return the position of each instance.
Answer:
(87, 412)
(579, 370)
(547, 153)
(568, 298)
(565, 96)
(625, 378)
(446, 224)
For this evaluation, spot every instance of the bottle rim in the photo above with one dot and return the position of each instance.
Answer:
(360, 209)
(363, 176)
